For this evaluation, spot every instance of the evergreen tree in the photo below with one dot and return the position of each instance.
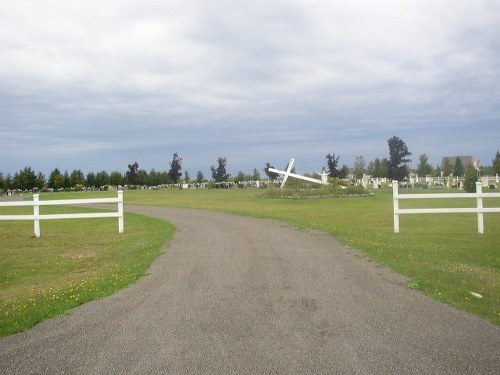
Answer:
(56, 180)
(9, 181)
(377, 168)
(76, 178)
(132, 174)
(67, 181)
(255, 175)
(90, 180)
(40, 181)
(175, 168)
(240, 176)
(496, 163)
(219, 174)
(199, 177)
(332, 163)
(423, 167)
(154, 178)
(398, 157)
(270, 175)
(437, 171)
(102, 179)
(25, 179)
(142, 178)
(116, 178)
(344, 171)
(359, 167)
(470, 179)
(458, 169)
(447, 167)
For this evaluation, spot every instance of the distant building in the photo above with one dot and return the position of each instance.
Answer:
(466, 160)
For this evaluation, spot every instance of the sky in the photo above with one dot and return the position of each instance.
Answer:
(97, 85)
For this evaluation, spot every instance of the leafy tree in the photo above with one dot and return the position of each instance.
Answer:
(132, 174)
(199, 177)
(116, 178)
(486, 170)
(291, 170)
(219, 174)
(458, 169)
(270, 175)
(496, 163)
(25, 179)
(40, 181)
(90, 180)
(165, 178)
(332, 163)
(175, 168)
(447, 167)
(344, 171)
(255, 175)
(384, 167)
(437, 171)
(377, 168)
(398, 157)
(102, 179)
(56, 180)
(67, 182)
(423, 167)
(9, 181)
(359, 167)
(142, 177)
(76, 178)
(187, 178)
(470, 179)
(240, 176)
(155, 178)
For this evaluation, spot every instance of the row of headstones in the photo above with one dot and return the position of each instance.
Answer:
(377, 183)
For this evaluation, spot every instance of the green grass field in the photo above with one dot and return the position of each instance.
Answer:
(73, 262)
(442, 255)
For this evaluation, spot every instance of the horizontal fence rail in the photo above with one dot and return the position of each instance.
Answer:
(36, 216)
(479, 209)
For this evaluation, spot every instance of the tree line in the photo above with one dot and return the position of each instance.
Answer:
(28, 179)
(394, 167)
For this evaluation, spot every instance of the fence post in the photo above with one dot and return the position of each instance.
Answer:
(120, 212)
(36, 214)
(395, 188)
(480, 215)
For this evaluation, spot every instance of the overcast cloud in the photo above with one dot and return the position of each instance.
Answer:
(96, 85)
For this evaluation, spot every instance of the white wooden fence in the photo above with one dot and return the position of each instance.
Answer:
(479, 209)
(36, 217)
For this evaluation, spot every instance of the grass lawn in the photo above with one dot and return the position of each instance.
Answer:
(442, 255)
(73, 262)
(78, 260)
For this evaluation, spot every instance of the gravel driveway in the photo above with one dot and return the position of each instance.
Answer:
(238, 295)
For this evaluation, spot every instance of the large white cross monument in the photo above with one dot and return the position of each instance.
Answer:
(288, 173)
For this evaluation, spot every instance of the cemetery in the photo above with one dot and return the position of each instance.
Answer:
(365, 221)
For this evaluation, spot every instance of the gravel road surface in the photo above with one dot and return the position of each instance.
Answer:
(238, 295)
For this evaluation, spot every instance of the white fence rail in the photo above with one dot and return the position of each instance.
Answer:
(36, 217)
(479, 209)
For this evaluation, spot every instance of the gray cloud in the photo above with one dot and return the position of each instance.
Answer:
(97, 85)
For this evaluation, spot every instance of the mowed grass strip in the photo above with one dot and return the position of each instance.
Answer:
(442, 254)
(73, 262)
